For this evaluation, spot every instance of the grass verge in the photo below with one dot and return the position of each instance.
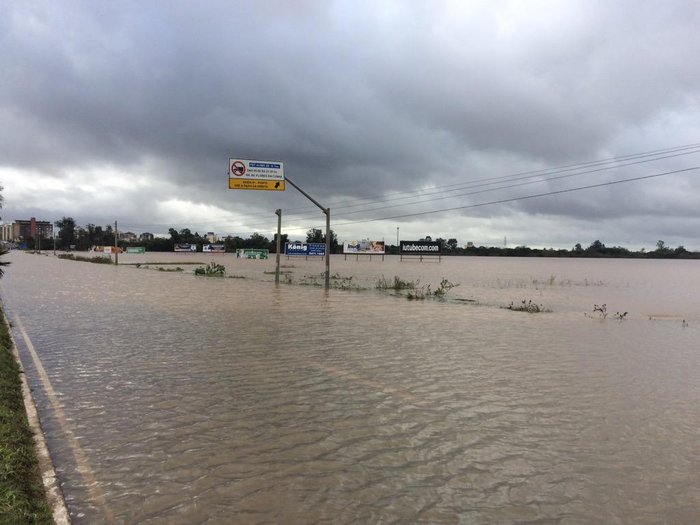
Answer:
(22, 496)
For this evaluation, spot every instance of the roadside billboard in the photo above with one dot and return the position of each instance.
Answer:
(251, 253)
(310, 249)
(364, 246)
(185, 247)
(135, 249)
(420, 248)
(214, 248)
(106, 249)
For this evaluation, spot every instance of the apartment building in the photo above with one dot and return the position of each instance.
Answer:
(31, 229)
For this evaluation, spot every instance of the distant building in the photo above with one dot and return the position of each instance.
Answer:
(26, 229)
(470, 244)
(128, 236)
(146, 236)
(212, 237)
(6, 232)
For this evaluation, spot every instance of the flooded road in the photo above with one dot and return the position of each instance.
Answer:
(171, 398)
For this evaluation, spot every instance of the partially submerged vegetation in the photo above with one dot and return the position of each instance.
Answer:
(414, 289)
(98, 259)
(397, 284)
(212, 269)
(156, 263)
(526, 305)
(336, 281)
(603, 312)
(22, 497)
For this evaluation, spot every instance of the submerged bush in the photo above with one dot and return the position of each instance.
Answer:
(415, 290)
(211, 270)
(603, 312)
(527, 306)
(98, 259)
(398, 284)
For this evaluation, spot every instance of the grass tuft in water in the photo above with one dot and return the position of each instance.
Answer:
(526, 305)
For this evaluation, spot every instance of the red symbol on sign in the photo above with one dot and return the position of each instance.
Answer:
(238, 168)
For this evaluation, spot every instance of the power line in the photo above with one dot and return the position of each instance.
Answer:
(502, 201)
(509, 186)
(529, 174)
(510, 177)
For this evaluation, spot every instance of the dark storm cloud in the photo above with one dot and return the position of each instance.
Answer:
(356, 98)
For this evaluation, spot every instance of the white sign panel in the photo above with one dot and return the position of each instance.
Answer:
(245, 174)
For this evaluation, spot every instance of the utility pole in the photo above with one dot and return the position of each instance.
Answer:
(278, 212)
(116, 245)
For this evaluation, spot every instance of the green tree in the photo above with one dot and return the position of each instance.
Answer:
(174, 235)
(662, 249)
(596, 247)
(108, 236)
(284, 239)
(317, 235)
(258, 241)
(66, 231)
(187, 236)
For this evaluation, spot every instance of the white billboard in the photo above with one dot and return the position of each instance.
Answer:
(364, 246)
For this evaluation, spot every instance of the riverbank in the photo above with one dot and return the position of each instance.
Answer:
(22, 496)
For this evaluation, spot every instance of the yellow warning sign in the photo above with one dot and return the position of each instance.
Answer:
(255, 184)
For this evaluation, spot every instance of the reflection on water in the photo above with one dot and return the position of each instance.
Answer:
(234, 401)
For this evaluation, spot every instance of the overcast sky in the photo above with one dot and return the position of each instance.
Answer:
(130, 111)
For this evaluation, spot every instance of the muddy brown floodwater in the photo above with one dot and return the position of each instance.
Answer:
(171, 398)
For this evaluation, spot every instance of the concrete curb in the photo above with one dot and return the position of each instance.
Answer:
(54, 494)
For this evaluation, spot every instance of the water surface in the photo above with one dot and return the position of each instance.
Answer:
(205, 400)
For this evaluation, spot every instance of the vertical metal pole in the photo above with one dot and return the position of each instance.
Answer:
(116, 248)
(53, 234)
(278, 212)
(327, 211)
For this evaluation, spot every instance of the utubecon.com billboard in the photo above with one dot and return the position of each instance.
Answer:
(420, 248)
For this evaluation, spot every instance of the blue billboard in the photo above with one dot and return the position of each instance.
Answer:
(311, 249)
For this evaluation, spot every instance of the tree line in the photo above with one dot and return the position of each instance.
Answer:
(595, 249)
(72, 236)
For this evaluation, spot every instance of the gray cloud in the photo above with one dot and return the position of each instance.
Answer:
(358, 99)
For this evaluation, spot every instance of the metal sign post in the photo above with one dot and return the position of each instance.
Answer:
(327, 211)
(245, 174)
(278, 212)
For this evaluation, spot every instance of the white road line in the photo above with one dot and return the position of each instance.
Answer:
(81, 460)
